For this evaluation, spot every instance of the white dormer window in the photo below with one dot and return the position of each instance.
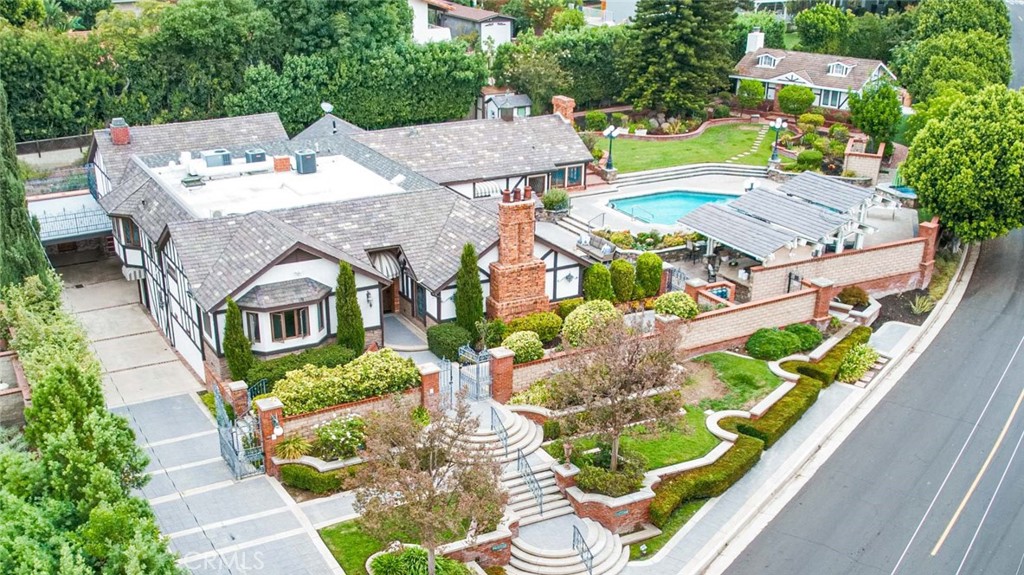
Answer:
(767, 61)
(838, 69)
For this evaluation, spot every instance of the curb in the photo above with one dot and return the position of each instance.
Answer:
(726, 539)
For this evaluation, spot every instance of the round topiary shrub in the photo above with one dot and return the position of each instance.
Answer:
(526, 345)
(414, 560)
(623, 280)
(809, 159)
(566, 306)
(547, 325)
(855, 296)
(771, 344)
(444, 340)
(579, 322)
(597, 283)
(676, 303)
(809, 335)
(648, 275)
(555, 199)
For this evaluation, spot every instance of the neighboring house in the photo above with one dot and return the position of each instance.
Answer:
(480, 158)
(328, 125)
(424, 25)
(831, 78)
(496, 102)
(493, 29)
(266, 223)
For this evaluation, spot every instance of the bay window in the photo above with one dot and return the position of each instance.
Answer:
(290, 324)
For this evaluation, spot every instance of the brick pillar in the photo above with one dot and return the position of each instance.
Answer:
(237, 395)
(518, 277)
(120, 132)
(564, 106)
(930, 232)
(270, 408)
(501, 374)
(430, 385)
(693, 286)
(826, 291)
(666, 278)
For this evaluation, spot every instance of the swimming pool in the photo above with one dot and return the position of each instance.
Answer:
(666, 207)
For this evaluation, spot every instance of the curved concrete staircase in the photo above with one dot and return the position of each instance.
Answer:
(521, 432)
(610, 556)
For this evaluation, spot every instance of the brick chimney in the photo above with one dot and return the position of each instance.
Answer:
(564, 106)
(517, 278)
(120, 133)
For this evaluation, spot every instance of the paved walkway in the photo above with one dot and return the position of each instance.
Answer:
(216, 524)
(401, 335)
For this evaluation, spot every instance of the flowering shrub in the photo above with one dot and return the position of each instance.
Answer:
(676, 303)
(579, 322)
(856, 363)
(526, 345)
(369, 375)
(340, 438)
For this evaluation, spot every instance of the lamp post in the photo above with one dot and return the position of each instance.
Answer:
(778, 125)
(611, 132)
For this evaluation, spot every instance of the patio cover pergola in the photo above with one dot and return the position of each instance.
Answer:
(724, 225)
(806, 221)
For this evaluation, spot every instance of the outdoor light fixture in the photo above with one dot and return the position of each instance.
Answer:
(569, 277)
(369, 299)
(278, 430)
(643, 549)
(611, 132)
(778, 125)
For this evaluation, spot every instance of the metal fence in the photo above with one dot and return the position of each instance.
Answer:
(59, 180)
(38, 147)
(73, 225)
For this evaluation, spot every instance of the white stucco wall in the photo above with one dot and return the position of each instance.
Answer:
(497, 32)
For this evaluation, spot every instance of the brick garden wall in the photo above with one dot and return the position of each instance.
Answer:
(305, 424)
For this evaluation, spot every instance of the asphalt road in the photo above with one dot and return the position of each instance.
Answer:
(1017, 41)
(882, 503)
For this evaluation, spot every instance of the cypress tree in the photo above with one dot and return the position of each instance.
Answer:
(350, 320)
(8, 153)
(237, 347)
(469, 294)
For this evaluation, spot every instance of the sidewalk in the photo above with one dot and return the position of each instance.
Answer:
(721, 530)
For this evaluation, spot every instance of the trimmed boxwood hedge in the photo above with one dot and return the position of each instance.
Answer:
(771, 344)
(809, 335)
(309, 479)
(546, 324)
(444, 340)
(274, 370)
(770, 427)
(708, 481)
(827, 367)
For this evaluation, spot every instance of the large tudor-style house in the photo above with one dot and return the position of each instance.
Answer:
(831, 78)
(203, 211)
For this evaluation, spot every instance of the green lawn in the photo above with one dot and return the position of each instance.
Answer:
(684, 442)
(748, 380)
(350, 546)
(675, 522)
(716, 145)
(790, 39)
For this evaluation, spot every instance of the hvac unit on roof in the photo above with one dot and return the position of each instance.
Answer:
(255, 155)
(305, 161)
(216, 158)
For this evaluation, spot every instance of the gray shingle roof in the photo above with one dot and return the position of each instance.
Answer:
(476, 150)
(140, 197)
(468, 13)
(809, 221)
(827, 192)
(203, 134)
(811, 67)
(727, 226)
(327, 125)
(290, 292)
(511, 100)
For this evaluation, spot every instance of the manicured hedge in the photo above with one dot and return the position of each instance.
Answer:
(566, 306)
(309, 479)
(770, 427)
(526, 345)
(444, 340)
(827, 367)
(274, 370)
(708, 481)
(545, 324)
(677, 303)
(579, 322)
(809, 335)
(853, 295)
(771, 344)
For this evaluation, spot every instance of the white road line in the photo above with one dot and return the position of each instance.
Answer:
(186, 466)
(990, 502)
(959, 455)
(1020, 565)
(179, 438)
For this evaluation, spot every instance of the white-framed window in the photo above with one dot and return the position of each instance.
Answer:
(208, 325)
(767, 61)
(830, 98)
(838, 69)
(320, 315)
(130, 233)
(252, 324)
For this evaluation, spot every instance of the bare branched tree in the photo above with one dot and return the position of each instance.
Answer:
(424, 483)
(620, 378)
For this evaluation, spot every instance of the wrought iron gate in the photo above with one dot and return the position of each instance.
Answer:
(475, 373)
(446, 389)
(241, 441)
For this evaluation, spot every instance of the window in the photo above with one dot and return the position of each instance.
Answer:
(208, 325)
(830, 98)
(320, 316)
(575, 175)
(130, 233)
(838, 69)
(252, 323)
(290, 324)
(766, 61)
(172, 273)
(558, 178)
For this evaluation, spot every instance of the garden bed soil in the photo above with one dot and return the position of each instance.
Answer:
(896, 307)
(702, 383)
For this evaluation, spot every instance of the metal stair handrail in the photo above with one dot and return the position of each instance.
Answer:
(499, 428)
(579, 543)
(531, 480)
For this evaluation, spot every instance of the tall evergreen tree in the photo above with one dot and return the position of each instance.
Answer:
(21, 254)
(237, 347)
(680, 53)
(469, 294)
(351, 333)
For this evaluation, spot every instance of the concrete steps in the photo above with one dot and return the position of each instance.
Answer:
(610, 556)
(652, 176)
(522, 434)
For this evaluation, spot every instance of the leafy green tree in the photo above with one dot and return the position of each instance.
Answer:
(294, 93)
(237, 347)
(535, 73)
(542, 12)
(64, 398)
(21, 12)
(306, 25)
(877, 111)
(966, 61)
(966, 169)
(517, 10)
(568, 20)
(680, 53)
(54, 16)
(351, 333)
(597, 283)
(86, 11)
(125, 540)
(868, 37)
(773, 27)
(795, 100)
(469, 293)
(936, 17)
(750, 94)
(822, 28)
(936, 108)
(368, 26)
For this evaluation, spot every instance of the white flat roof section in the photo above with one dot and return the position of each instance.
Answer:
(229, 190)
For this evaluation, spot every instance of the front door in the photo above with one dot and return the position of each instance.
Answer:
(421, 302)
(388, 297)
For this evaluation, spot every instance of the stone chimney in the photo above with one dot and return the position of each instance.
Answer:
(564, 106)
(755, 40)
(120, 133)
(517, 278)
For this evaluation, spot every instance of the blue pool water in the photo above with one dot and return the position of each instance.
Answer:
(906, 191)
(666, 207)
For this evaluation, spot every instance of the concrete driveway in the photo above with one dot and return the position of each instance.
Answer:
(216, 524)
